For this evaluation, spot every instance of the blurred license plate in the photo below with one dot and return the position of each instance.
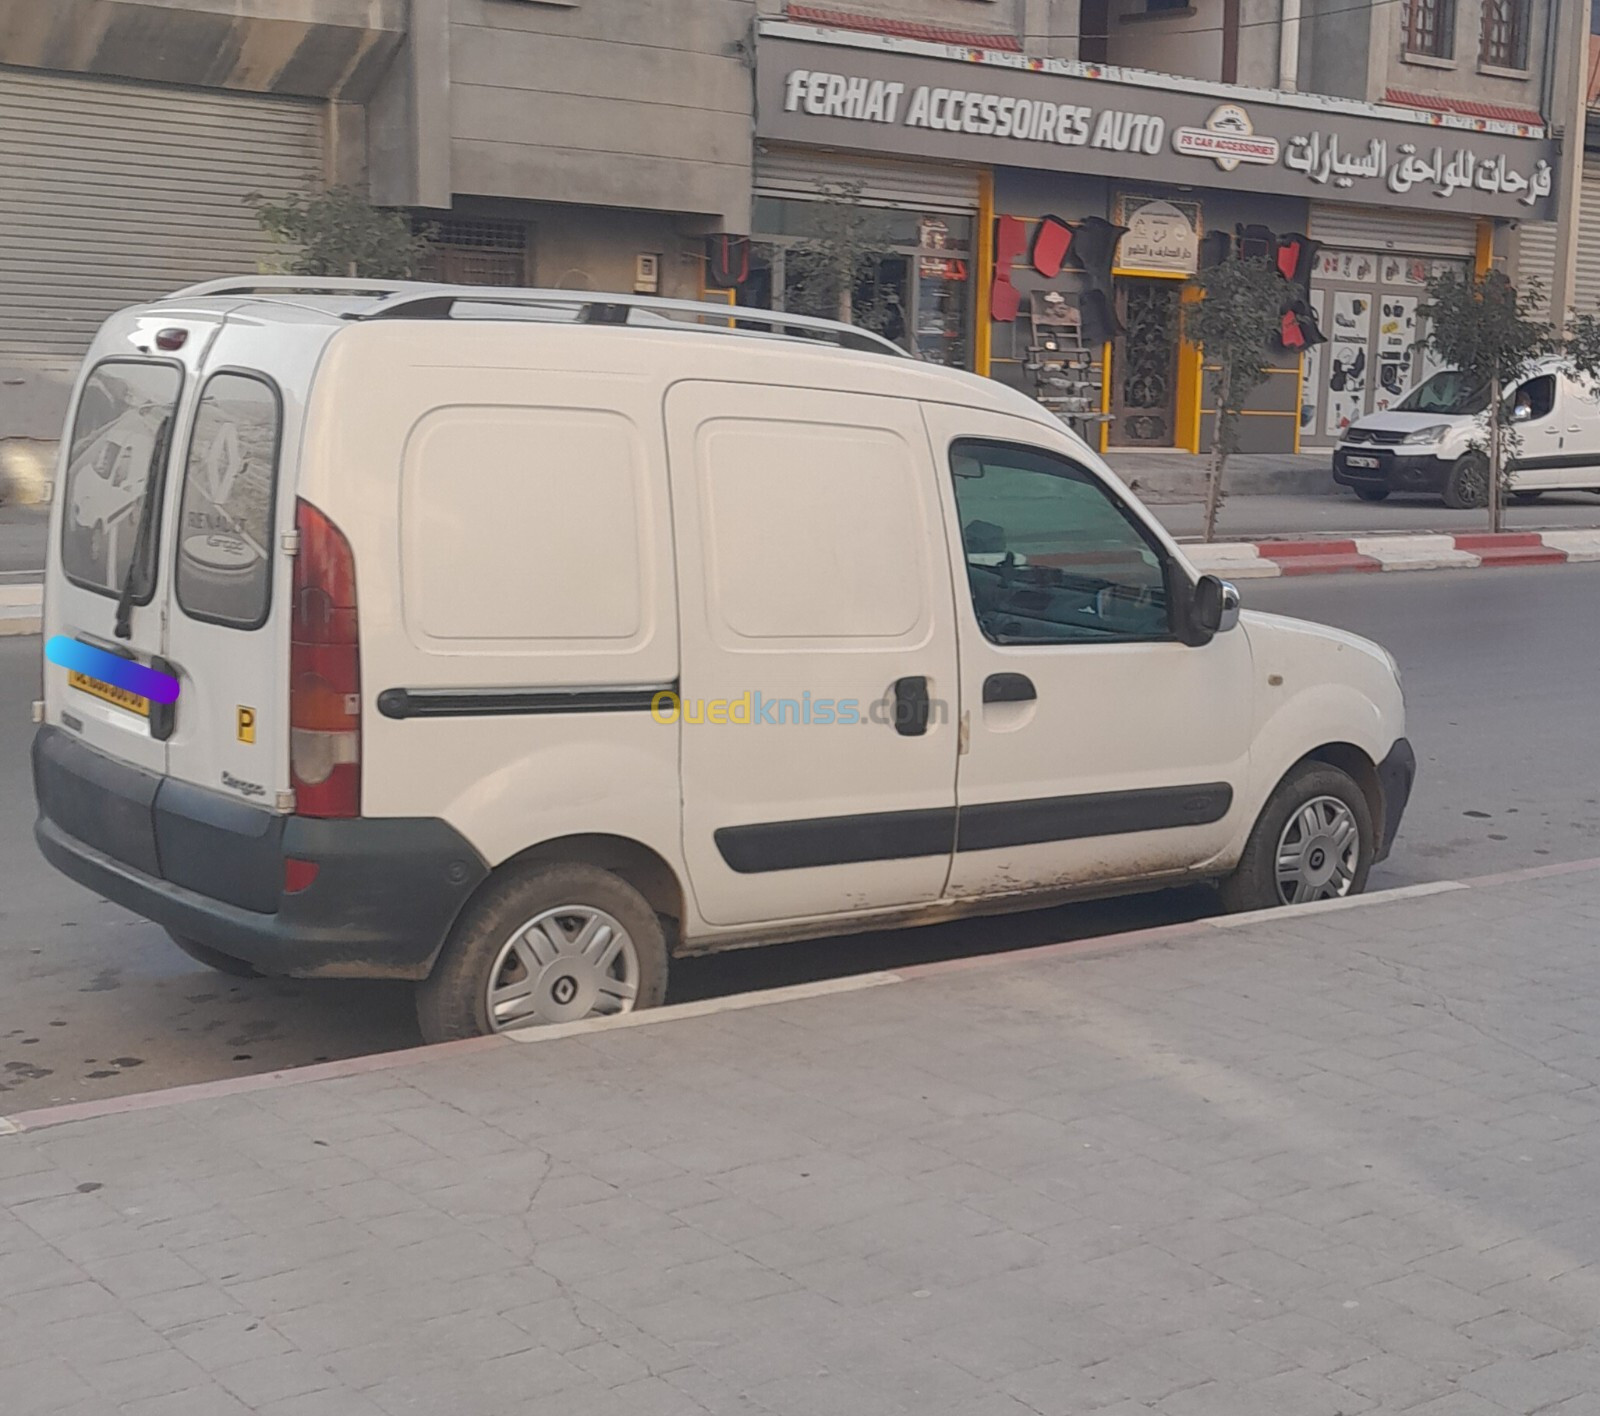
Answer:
(109, 693)
(1360, 461)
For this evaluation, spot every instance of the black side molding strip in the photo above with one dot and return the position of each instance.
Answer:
(491, 702)
(837, 840)
(906, 835)
(993, 825)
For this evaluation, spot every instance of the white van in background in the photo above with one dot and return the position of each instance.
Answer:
(1433, 440)
(525, 640)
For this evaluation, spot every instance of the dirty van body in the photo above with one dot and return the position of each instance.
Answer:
(527, 640)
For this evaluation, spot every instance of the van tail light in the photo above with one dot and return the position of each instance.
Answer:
(324, 671)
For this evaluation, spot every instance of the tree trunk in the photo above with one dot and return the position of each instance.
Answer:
(1219, 460)
(1495, 456)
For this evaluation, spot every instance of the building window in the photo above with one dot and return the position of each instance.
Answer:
(477, 253)
(1431, 28)
(1505, 33)
(911, 271)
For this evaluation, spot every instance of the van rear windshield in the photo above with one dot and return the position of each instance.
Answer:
(225, 524)
(116, 433)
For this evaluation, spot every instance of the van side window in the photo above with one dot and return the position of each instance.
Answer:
(1538, 396)
(225, 522)
(1052, 557)
(122, 409)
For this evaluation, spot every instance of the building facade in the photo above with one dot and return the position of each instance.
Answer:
(984, 150)
(596, 144)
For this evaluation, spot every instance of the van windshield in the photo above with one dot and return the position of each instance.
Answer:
(114, 441)
(1450, 392)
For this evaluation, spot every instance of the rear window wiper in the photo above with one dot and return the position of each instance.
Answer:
(141, 536)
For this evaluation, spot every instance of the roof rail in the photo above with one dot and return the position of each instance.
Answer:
(299, 285)
(439, 302)
(419, 300)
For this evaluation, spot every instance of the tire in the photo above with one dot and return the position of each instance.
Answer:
(1526, 498)
(1468, 484)
(1310, 787)
(539, 933)
(1372, 494)
(213, 959)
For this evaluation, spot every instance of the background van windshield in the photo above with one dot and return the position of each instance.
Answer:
(113, 441)
(1449, 392)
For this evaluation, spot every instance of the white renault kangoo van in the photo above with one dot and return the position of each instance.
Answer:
(527, 640)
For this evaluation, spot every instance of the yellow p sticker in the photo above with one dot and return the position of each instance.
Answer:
(247, 724)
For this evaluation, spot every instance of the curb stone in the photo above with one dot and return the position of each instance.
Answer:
(1260, 560)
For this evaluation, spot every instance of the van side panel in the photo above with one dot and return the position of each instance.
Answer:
(513, 546)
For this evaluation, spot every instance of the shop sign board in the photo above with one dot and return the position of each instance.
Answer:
(1162, 236)
(913, 105)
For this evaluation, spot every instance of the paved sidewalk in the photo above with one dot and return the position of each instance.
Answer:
(1333, 1162)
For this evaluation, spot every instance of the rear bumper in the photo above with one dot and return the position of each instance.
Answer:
(210, 868)
(1394, 472)
(1396, 775)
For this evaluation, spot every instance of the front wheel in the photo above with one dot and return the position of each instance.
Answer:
(1468, 484)
(1372, 494)
(1314, 840)
(548, 944)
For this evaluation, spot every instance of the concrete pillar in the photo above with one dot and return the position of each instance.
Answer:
(1569, 117)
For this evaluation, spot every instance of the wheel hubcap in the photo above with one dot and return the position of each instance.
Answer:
(1318, 852)
(568, 963)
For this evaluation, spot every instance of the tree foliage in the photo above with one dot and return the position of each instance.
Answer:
(338, 232)
(1490, 331)
(833, 271)
(1234, 323)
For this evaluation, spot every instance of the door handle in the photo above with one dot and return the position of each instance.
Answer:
(1575, 429)
(911, 706)
(1009, 688)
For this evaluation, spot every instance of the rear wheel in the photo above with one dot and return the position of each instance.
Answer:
(1468, 483)
(213, 958)
(549, 944)
(1314, 840)
(1373, 494)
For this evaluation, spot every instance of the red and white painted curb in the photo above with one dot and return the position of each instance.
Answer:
(1256, 560)
(1106, 944)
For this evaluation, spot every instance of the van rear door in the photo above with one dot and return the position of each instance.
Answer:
(229, 579)
(106, 585)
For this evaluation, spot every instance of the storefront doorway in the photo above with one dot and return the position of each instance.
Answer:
(1144, 363)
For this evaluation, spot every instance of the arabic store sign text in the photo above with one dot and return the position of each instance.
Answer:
(1171, 137)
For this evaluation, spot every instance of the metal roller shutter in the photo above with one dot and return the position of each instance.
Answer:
(1536, 250)
(1423, 233)
(111, 193)
(795, 172)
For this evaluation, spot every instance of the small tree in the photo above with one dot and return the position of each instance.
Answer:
(340, 233)
(1484, 327)
(1234, 322)
(832, 272)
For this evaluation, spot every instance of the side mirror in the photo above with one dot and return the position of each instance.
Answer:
(1213, 608)
(1522, 413)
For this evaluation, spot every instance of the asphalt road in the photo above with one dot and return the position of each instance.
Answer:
(22, 538)
(1502, 672)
